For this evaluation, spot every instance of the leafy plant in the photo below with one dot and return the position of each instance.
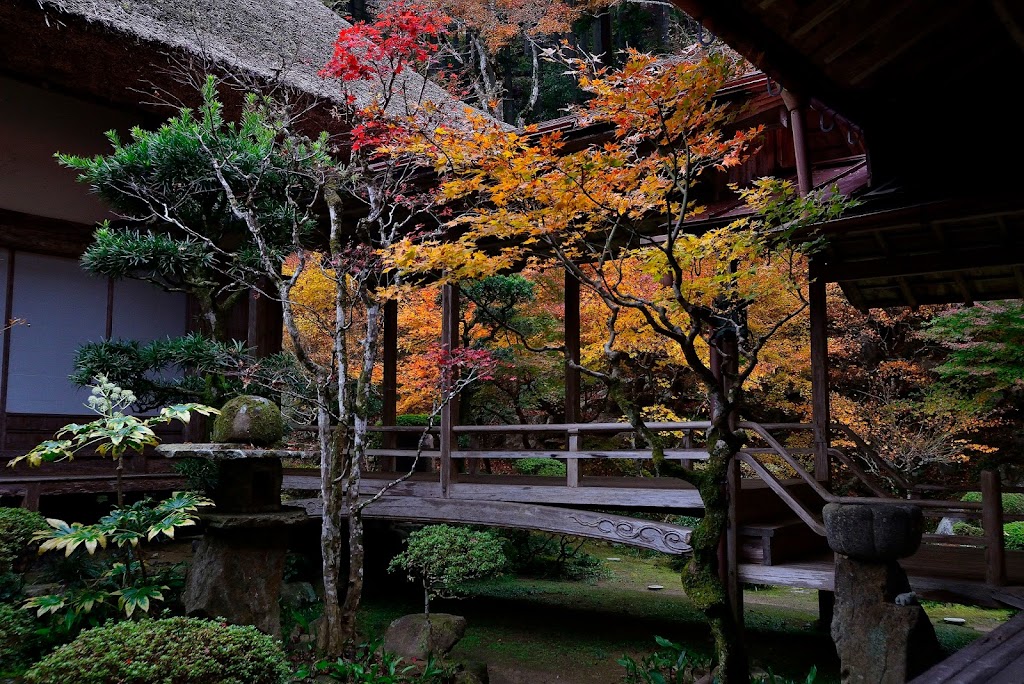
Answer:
(371, 664)
(130, 582)
(114, 433)
(1013, 502)
(671, 664)
(446, 557)
(176, 649)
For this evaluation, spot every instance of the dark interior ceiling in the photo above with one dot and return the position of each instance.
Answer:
(932, 86)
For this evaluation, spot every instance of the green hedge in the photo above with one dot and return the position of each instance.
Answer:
(175, 650)
(17, 639)
(1013, 503)
(1013, 536)
(16, 528)
(540, 466)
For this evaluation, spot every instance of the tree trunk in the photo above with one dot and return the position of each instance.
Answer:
(701, 578)
(330, 638)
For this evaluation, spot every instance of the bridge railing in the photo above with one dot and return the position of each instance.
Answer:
(989, 510)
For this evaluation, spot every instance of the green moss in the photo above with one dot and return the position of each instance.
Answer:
(265, 423)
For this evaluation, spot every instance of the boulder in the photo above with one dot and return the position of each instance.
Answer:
(419, 636)
(874, 532)
(249, 419)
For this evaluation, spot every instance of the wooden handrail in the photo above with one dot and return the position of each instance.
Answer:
(809, 518)
(788, 458)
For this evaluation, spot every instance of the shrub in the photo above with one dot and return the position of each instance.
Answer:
(552, 556)
(175, 650)
(968, 529)
(446, 557)
(1013, 503)
(17, 525)
(540, 466)
(17, 639)
(1013, 534)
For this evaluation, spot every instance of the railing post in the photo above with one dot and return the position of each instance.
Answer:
(992, 522)
(572, 465)
(449, 341)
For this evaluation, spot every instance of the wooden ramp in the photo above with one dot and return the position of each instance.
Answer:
(996, 658)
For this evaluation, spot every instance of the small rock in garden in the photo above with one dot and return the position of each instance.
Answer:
(655, 587)
(412, 637)
(954, 620)
(613, 558)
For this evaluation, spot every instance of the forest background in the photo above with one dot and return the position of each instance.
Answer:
(935, 390)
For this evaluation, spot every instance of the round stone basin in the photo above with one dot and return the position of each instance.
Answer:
(249, 478)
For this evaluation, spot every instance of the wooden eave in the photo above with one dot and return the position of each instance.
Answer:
(956, 250)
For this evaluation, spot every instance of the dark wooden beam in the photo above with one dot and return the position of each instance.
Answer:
(54, 237)
(5, 367)
(951, 260)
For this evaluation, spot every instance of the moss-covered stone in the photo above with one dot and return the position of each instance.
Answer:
(249, 419)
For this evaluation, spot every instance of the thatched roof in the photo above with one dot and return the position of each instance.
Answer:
(112, 49)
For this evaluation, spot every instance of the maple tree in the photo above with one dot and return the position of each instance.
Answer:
(628, 203)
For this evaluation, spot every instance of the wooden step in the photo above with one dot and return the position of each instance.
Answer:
(778, 541)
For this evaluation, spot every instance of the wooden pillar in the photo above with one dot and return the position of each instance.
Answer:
(820, 412)
(449, 412)
(389, 414)
(572, 373)
(992, 522)
(266, 322)
(794, 106)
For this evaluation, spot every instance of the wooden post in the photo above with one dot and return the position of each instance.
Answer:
(572, 465)
(389, 414)
(796, 126)
(572, 374)
(572, 348)
(820, 412)
(449, 342)
(992, 522)
(265, 325)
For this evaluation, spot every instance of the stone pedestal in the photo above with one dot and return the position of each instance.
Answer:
(236, 572)
(881, 634)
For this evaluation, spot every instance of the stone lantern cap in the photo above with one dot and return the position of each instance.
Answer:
(877, 532)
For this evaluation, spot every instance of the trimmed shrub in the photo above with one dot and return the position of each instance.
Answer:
(175, 650)
(17, 639)
(540, 466)
(17, 525)
(1013, 503)
(1013, 536)
(414, 419)
(968, 529)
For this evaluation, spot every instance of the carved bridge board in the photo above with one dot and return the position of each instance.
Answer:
(664, 537)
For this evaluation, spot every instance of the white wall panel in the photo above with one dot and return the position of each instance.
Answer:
(64, 308)
(144, 312)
